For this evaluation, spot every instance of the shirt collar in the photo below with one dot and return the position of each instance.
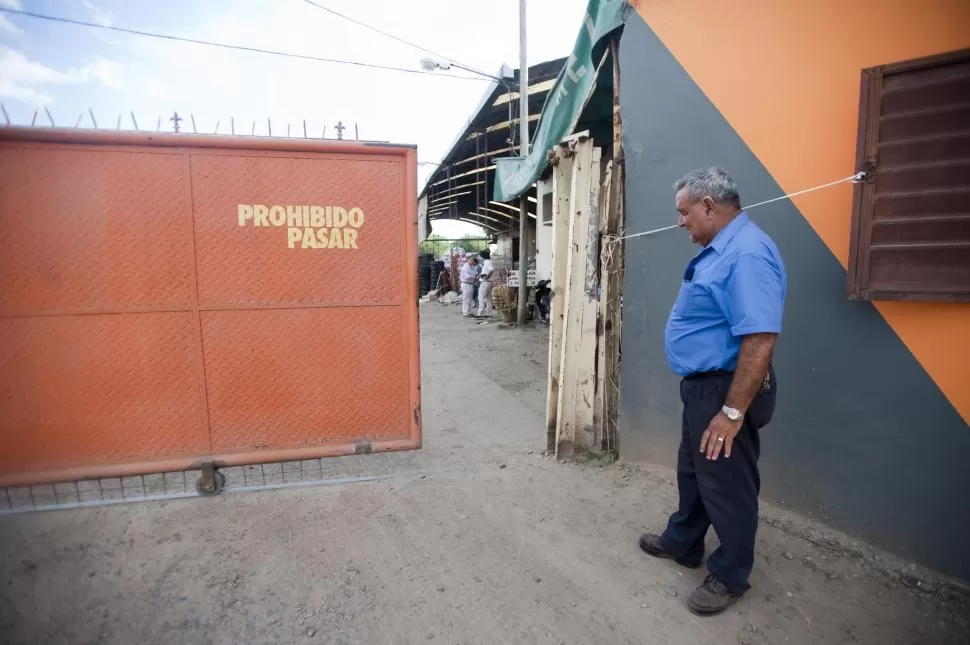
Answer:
(726, 234)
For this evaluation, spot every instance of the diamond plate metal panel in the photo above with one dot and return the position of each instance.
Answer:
(98, 390)
(289, 378)
(254, 265)
(85, 229)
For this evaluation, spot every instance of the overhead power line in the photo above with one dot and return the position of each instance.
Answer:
(209, 43)
(442, 57)
(379, 31)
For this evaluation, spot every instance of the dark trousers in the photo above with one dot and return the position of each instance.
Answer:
(542, 307)
(723, 492)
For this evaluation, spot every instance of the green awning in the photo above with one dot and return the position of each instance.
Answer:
(565, 103)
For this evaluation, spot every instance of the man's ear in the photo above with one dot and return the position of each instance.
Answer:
(710, 207)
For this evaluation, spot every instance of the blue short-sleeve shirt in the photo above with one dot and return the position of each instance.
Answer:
(734, 286)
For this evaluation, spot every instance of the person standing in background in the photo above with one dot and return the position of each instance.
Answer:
(469, 276)
(543, 293)
(485, 287)
(478, 270)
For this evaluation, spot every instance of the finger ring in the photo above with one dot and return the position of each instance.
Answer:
(720, 438)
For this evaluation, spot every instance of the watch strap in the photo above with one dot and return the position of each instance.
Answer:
(732, 413)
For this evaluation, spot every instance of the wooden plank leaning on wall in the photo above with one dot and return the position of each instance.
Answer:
(562, 178)
(576, 385)
(586, 243)
(599, 406)
(611, 278)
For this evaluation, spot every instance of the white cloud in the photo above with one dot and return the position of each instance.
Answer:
(23, 79)
(16, 69)
(25, 94)
(8, 26)
(100, 16)
(110, 73)
(12, 4)
(104, 18)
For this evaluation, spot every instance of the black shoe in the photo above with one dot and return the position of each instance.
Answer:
(711, 598)
(650, 544)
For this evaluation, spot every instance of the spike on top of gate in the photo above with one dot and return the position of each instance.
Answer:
(308, 226)
(89, 119)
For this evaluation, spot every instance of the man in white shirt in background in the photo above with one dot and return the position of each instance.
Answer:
(469, 275)
(485, 288)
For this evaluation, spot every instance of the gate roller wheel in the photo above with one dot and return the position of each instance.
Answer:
(211, 482)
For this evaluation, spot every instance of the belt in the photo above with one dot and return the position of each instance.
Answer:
(766, 383)
(699, 375)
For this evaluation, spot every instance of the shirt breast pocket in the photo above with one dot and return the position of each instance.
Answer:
(694, 301)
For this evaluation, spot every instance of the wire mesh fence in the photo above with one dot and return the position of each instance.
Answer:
(155, 487)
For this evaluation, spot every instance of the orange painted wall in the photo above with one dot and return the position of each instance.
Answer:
(786, 75)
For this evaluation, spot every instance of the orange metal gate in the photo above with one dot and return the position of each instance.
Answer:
(169, 300)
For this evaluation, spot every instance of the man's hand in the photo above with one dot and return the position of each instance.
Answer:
(754, 360)
(720, 432)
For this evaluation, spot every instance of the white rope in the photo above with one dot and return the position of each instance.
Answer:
(856, 178)
(645, 233)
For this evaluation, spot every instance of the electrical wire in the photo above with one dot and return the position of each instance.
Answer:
(512, 136)
(406, 42)
(209, 43)
(379, 31)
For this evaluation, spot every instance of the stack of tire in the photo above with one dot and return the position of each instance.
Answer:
(424, 274)
(436, 268)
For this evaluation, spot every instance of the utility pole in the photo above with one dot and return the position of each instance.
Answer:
(523, 152)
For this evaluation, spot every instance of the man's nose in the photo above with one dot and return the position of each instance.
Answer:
(681, 220)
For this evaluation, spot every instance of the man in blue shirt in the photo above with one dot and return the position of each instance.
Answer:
(720, 338)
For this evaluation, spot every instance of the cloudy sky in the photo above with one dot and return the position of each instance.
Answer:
(72, 69)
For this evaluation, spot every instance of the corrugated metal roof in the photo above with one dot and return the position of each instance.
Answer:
(491, 132)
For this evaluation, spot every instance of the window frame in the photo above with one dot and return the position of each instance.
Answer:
(864, 193)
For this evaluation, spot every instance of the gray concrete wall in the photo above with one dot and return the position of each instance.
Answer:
(862, 439)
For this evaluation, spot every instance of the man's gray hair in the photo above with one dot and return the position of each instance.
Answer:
(715, 183)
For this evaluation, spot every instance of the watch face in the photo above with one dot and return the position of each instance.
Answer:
(731, 413)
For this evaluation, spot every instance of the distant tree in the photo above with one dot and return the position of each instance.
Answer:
(434, 245)
(438, 245)
(472, 243)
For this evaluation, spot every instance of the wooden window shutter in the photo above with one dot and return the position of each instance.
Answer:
(911, 216)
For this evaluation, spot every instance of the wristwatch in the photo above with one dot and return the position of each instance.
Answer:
(732, 413)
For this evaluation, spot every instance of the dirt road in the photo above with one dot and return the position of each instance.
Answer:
(476, 539)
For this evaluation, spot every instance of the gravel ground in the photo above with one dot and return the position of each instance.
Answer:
(477, 538)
